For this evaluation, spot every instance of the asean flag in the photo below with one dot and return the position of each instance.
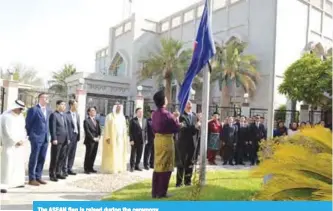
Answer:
(204, 50)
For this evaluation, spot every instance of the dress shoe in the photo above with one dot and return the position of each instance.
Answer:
(93, 171)
(53, 179)
(188, 184)
(71, 173)
(137, 169)
(65, 174)
(131, 169)
(42, 182)
(152, 167)
(146, 167)
(86, 172)
(33, 183)
(3, 191)
(60, 177)
(178, 185)
(225, 163)
(20, 186)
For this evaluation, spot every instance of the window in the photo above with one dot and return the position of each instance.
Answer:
(119, 30)
(107, 51)
(165, 26)
(102, 53)
(218, 4)
(117, 67)
(315, 20)
(328, 26)
(176, 21)
(200, 10)
(328, 7)
(128, 26)
(317, 3)
(188, 16)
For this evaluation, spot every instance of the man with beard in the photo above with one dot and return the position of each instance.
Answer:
(185, 146)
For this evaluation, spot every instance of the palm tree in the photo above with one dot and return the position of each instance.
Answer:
(58, 83)
(168, 64)
(232, 68)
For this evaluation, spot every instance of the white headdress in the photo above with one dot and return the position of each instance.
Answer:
(114, 109)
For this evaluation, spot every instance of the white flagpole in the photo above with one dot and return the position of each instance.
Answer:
(205, 110)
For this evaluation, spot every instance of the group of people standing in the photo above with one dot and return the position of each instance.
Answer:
(40, 127)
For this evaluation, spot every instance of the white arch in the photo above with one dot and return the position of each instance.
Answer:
(123, 54)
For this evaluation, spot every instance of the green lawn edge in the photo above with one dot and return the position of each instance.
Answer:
(221, 185)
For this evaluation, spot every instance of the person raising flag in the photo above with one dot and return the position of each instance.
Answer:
(204, 50)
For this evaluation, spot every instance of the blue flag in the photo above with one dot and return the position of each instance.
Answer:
(204, 50)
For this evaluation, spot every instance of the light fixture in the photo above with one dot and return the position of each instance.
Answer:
(139, 88)
(192, 91)
(81, 81)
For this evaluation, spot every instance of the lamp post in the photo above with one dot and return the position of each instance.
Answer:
(139, 98)
(246, 106)
(246, 97)
(11, 72)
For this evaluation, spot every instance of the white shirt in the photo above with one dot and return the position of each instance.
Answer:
(140, 122)
(43, 110)
(73, 114)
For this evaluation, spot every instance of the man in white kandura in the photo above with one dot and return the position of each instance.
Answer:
(13, 138)
(115, 142)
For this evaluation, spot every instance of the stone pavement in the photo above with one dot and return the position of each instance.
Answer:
(79, 187)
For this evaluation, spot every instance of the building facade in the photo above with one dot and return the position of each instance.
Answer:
(277, 33)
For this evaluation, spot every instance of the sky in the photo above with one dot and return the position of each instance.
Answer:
(46, 34)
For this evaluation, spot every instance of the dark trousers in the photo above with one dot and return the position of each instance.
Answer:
(90, 156)
(37, 158)
(184, 174)
(160, 183)
(240, 153)
(148, 156)
(70, 155)
(228, 154)
(254, 148)
(136, 154)
(58, 158)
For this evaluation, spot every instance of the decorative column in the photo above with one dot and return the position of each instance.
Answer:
(246, 106)
(11, 92)
(304, 113)
(81, 98)
(139, 100)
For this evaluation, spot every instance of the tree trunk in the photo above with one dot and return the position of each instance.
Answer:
(168, 90)
(293, 110)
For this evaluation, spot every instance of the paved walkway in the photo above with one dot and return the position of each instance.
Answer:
(79, 187)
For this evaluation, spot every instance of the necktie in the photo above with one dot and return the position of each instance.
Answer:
(44, 112)
(94, 121)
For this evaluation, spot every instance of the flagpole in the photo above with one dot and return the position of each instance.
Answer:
(205, 113)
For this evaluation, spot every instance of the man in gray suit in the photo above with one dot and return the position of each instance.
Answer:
(138, 138)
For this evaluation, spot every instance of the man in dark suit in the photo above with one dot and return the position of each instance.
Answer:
(229, 141)
(138, 137)
(59, 139)
(73, 122)
(243, 139)
(37, 126)
(257, 133)
(148, 157)
(185, 146)
(92, 132)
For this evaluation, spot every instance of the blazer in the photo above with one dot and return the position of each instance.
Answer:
(150, 132)
(137, 134)
(257, 133)
(71, 125)
(229, 134)
(36, 124)
(90, 130)
(58, 127)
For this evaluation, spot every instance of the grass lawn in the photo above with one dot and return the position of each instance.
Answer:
(222, 185)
